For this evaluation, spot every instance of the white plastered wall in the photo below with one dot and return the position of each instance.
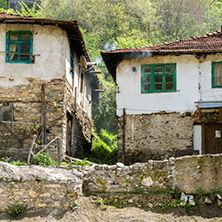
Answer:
(135, 102)
(193, 83)
(48, 41)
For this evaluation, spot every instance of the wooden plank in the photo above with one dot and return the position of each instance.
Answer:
(199, 115)
(124, 137)
(31, 148)
(203, 137)
(59, 142)
(43, 116)
(220, 113)
(47, 145)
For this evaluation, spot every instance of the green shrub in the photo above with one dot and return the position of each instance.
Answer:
(17, 209)
(43, 159)
(18, 163)
(104, 146)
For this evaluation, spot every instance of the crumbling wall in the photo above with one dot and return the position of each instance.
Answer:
(38, 187)
(26, 102)
(188, 174)
(59, 187)
(154, 136)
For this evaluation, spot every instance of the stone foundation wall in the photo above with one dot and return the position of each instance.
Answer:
(188, 174)
(23, 104)
(59, 187)
(155, 136)
(38, 187)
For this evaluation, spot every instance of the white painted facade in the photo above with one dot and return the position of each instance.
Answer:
(52, 60)
(193, 83)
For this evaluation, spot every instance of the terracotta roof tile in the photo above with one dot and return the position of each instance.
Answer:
(210, 43)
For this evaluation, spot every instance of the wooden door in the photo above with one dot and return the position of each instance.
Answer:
(213, 138)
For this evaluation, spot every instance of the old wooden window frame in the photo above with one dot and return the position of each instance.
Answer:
(19, 42)
(213, 75)
(152, 74)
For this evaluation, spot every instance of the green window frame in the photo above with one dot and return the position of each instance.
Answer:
(216, 74)
(19, 47)
(157, 78)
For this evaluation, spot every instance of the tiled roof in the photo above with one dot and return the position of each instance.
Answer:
(71, 27)
(211, 43)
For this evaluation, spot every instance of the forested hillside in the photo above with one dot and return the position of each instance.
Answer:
(109, 24)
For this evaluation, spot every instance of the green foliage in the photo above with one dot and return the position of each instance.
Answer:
(3, 4)
(18, 163)
(99, 201)
(5, 159)
(43, 159)
(17, 209)
(81, 163)
(26, 11)
(104, 147)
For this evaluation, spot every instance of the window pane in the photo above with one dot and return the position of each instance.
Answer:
(146, 79)
(158, 69)
(169, 86)
(25, 37)
(13, 48)
(158, 86)
(24, 57)
(13, 36)
(218, 82)
(24, 48)
(13, 57)
(147, 87)
(158, 79)
(169, 69)
(147, 69)
(169, 78)
(217, 70)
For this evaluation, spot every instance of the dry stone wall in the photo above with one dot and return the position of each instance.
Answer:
(38, 187)
(23, 104)
(59, 187)
(154, 136)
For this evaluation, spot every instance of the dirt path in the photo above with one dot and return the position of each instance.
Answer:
(87, 211)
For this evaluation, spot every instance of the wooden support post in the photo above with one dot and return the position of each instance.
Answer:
(220, 113)
(123, 128)
(59, 142)
(199, 115)
(43, 116)
(31, 148)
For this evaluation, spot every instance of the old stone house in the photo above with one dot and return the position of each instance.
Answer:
(47, 85)
(169, 98)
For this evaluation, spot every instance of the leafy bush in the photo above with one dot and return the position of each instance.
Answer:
(104, 147)
(43, 159)
(18, 163)
(17, 209)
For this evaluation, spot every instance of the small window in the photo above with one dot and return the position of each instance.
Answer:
(7, 112)
(19, 47)
(217, 74)
(158, 78)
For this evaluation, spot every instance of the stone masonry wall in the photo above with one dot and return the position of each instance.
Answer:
(155, 136)
(59, 187)
(38, 187)
(23, 104)
(27, 107)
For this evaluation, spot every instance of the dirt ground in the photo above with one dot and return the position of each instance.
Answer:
(87, 211)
